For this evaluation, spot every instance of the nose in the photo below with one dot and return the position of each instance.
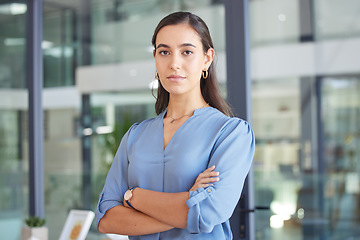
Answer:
(175, 63)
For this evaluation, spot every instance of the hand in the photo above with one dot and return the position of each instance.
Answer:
(206, 178)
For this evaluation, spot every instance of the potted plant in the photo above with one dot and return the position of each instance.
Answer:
(34, 229)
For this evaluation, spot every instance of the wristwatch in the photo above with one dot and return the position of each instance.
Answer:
(128, 195)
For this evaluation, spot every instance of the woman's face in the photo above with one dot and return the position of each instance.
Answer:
(180, 59)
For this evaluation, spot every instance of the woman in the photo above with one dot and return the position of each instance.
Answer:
(179, 175)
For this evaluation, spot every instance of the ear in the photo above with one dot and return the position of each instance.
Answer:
(209, 57)
(154, 51)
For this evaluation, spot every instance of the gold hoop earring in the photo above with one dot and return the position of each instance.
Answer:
(205, 74)
(157, 75)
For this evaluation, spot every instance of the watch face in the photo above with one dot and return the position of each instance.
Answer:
(127, 195)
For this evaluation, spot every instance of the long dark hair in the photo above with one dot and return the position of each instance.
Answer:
(209, 86)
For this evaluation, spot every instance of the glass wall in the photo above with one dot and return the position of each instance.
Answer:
(305, 118)
(340, 105)
(62, 111)
(276, 122)
(13, 119)
(62, 166)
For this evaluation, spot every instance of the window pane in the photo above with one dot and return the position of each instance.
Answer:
(60, 44)
(345, 24)
(13, 123)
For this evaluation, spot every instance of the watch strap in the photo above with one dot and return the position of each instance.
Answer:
(128, 203)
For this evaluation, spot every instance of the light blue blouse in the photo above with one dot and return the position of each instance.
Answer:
(207, 138)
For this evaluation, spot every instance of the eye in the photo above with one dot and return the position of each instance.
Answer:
(188, 52)
(164, 53)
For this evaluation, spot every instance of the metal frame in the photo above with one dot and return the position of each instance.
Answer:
(86, 118)
(306, 20)
(34, 70)
(239, 97)
(320, 153)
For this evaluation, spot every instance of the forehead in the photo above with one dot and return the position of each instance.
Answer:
(177, 35)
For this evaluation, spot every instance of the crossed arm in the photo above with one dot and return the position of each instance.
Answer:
(155, 211)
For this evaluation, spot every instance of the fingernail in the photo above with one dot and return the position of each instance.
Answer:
(213, 166)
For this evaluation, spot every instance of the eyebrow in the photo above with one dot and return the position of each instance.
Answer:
(182, 45)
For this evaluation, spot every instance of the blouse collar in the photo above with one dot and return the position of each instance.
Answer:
(197, 112)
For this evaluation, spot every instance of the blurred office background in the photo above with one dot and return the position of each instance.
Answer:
(98, 75)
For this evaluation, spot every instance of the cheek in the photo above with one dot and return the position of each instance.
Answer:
(195, 68)
(157, 60)
(160, 65)
(195, 64)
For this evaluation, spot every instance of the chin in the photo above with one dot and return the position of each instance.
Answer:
(175, 90)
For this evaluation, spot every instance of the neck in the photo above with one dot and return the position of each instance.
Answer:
(178, 106)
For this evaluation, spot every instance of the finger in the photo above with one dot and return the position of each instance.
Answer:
(208, 174)
(209, 169)
(213, 174)
(208, 180)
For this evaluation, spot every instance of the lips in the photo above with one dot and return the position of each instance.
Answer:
(175, 78)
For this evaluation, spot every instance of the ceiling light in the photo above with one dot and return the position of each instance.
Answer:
(282, 17)
(104, 129)
(14, 41)
(133, 72)
(276, 221)
(21, 41)
(87, 131)
(18, 8)
(13, 9)
(46, 44)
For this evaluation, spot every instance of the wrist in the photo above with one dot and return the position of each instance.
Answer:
(128, 196)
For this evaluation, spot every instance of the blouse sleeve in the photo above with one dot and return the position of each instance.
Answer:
(232, 155)
(116, 181)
